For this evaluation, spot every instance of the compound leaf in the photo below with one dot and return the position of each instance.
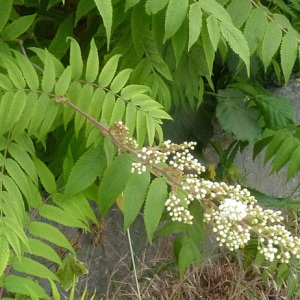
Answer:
(92, 65)
(5, 82)
(294, 163)
(277, 140)
(213, 31)
(271, 42)
(18, 284)
(120, 80)
(134, 89)
(195, 23)
(16, 109)
(50, 233)
(45, 175)
(109, 70)
(63, 82)
(29, 266)
(6, 6)
(156, 60)
(48, 120)
(134, 196)
(217, 10)
(83, 102)
(4, 254)
(14, 72)
(61, 216)
(235, 117)
(130, 117)
(76, 62)
(236, 41)
(175, 14)
(154, 206)
(77, 204)
(18, 231)
(188, 254)
(41, 249)
(17, 27)
(38, 113)
(108, 107)
(179, 40)
(18, 175)
(48, 79)
(22, 157)
(284, 152)
(85, 171)
(150, 129)
(255, 28)
(239, 11)
(208, 47)
(288, 53)
(106, 11)
(154, 6)
(28, 71)
(141, 127)
(118, 111)
(278, 112)
(113, 182)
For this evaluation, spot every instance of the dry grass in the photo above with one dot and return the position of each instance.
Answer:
(218, 279)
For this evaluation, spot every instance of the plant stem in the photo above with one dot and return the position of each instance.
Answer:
(133, 263)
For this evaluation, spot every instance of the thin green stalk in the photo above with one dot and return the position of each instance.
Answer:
(133, 263)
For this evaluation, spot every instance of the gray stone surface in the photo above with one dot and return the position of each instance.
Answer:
(108, 258)
(260, 176)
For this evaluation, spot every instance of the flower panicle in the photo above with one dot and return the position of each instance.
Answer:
(231, 210)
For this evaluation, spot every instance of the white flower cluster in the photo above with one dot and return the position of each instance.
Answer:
(181, 161)
(225, 223)
(234, 220)
(185, 161)
(276, 241)
(177, 211)
(148, 157)
(233, 209)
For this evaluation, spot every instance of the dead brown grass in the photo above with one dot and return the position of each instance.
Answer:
(218, 279)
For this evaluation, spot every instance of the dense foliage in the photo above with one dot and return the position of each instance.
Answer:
(73, 72)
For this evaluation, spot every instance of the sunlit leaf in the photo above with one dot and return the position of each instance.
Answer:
(106, 11)
(176, 12)
(17, 27)
(114, 181)
(92, 65)
(17, 284)
(109, 70)
(84, 172)
(4, 254)
(271, 42)
(134, 196)
(154, 206)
